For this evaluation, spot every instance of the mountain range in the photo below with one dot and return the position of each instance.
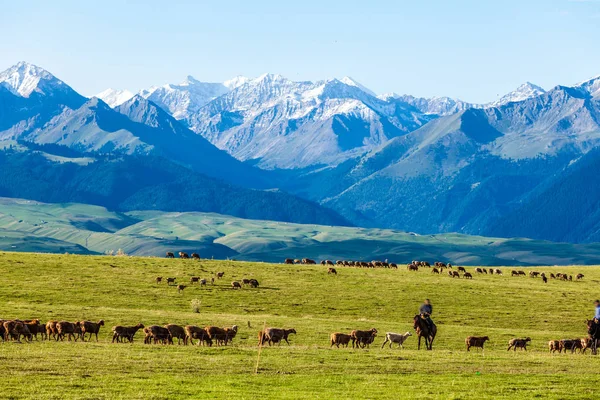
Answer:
(394, 161)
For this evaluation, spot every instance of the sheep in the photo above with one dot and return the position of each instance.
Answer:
(70, 329)
(171, 280)
(195, 279)
(475, 341)
(331, 271)
(362, 337)
(170, 254)
(236, 285)
(555, 345)
(339, 339)
(467, 275)
(195, 332)
(93, 328)
(289, 261)
(180, 288)
(158, 334)
(176, 331)
(275, 335)
(395, 338)
(121, 333)
(159, 279)
(518, 343)
(221, 336)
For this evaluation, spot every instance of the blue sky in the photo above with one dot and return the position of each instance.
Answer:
(474, 50)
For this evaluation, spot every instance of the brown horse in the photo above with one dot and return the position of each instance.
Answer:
(422, 328)
(594, 332)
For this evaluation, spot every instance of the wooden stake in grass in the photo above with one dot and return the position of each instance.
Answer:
(260, 343)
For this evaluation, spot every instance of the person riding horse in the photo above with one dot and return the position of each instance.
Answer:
(426, 310)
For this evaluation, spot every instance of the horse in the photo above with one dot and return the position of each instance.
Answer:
(594, 332)
(422, 328)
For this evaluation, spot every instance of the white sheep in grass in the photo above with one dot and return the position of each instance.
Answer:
(395, 338)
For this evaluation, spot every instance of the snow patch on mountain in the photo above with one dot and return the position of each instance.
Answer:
(24, 79)
(115, 97)
(526, 91)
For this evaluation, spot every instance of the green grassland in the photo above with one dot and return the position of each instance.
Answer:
(85, 229)
(122, 290)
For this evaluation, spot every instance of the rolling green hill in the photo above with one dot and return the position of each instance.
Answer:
(122, 290)
(84, 229)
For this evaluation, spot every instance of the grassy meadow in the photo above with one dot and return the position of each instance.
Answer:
(122, 290)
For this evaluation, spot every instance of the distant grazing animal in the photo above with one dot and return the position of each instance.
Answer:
(498, 271)
(521, 272)
(479, 270)
(514, 273)
(220, 275)
(455, 274)
(275, 335)
(121, 333)
(462, 269)
(90, 327)
(339, 339)
(195, 332)
(555, 345)
(552, 276)
(467, 275)
(475, 341)
(69, 329)
(203, 282)
(183, 255)
(534, 274)
(289, 261)
(328, 262)
(51, 329)
(491, 271)
(580, 276)
(362, 338)
(236, 285)
(195, 256)
(180, 288)
(253, 283)
(394, 265)
(339, 262)
(176, 331)
(450, 274)
(170, 255)
(544, 279)
(331, 271)
(397, 338)
(297, 261)
(412, 267)
(308, 261)
(195, 279)
(221, 336)
(158, 334)
(170, 280)
(435, 271)
(158, 279)
(518, 343)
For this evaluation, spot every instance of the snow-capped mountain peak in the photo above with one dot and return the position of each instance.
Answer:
(115, 97)
(235, 82)
(24, 78)
(591, 86)
(351, 82)
(523, 92)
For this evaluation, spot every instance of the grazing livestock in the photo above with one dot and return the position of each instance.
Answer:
(176, 331)
(435, 271)
(203, 282)
(362, 338)
(462, 269)
(289, 261)
(158, 334)
(236, 285)
(533, 274)
(158, 279)
(580, 277)
(69, 329)
(194, 279)
(339, 262)
(51, 329)
(476, 341)
(275, 335)
(93, 328)
(170, 280)
(395, 338)
(450, 274)
(479, 270)
(521, 272)
(195, 332)
(170, 255)
(183, 255)
(195, 256)
(394, 265)
(180, 288)
(544, 279)
(467, 275)
(455, 274)
(491, 271)
(221, 336)
(121, 333)
(33, 325)
(518, 343)
(220, 275)
(514, 273)
(412, 267)
(339, 339)
(331, 271)
(308, 261)
(498, 271)
(555, 345)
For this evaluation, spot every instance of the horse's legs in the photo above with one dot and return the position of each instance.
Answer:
(419, 346)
